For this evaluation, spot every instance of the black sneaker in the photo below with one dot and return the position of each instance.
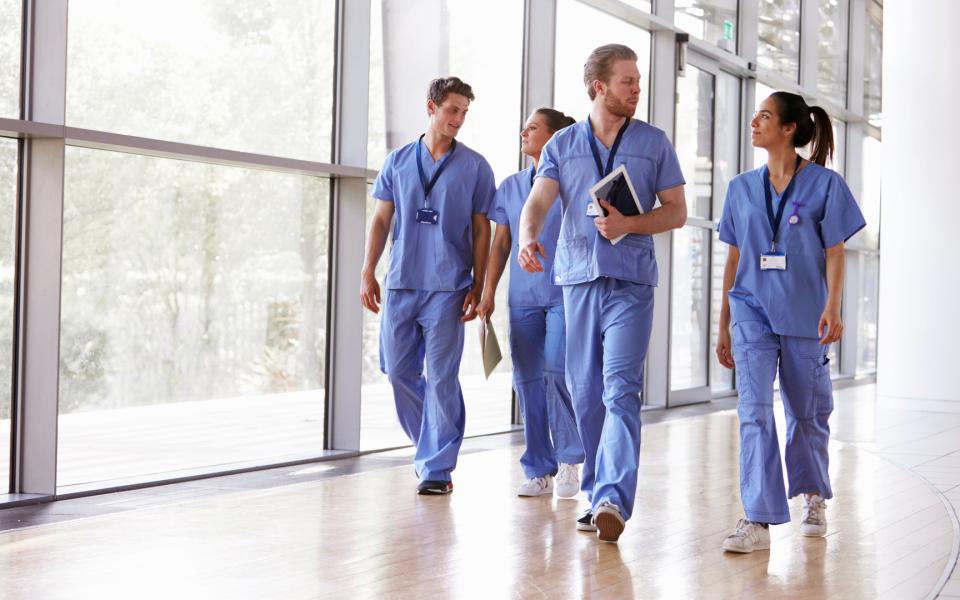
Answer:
(434, 487)
(585, 523)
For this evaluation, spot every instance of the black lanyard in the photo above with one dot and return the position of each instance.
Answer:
(775, 220)
(533, 174)
(613, 149)
(428, 187)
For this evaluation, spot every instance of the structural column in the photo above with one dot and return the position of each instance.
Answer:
(345, 350)
(37, 366)
(919, 327)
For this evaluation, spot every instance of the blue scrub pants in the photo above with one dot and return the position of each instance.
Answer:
(608, 323)
(418, 324)
(537, 344)
(807, 401)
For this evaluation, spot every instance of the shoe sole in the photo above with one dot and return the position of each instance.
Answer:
(568, 497)
(813, 535)
(543, 493)
(588, 528)
(609, 527)
(434, 492)
(745, 550)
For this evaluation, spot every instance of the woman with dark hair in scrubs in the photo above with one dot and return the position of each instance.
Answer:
(786, 224)
(537, 329)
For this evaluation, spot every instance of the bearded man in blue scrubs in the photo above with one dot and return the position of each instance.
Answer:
(607, 280)
(440, 192)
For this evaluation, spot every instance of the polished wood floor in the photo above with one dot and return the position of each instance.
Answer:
(369, 536)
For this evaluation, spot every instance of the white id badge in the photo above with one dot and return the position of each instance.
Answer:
(593, 210)
(773, 262)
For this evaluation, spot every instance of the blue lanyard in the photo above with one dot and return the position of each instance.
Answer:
(776, 220)
(428, 187)
(613, 149)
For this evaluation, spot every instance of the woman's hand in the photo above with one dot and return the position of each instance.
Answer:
(725, 348)
(830, 327)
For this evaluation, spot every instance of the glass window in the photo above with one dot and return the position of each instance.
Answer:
(193, 316)
(839, 146)
(713, 21)
(646, 5)
(867, 311)
(580, 29)
(726, 165)
(778, 45)
(244, 75)
(873, 63)
(690, 310)
(832, 52)
(762, 93)
(727, 137)
(8, 194)
(721, 378)
(10, 14)
(694, 126)
(869, 236)
(412, 43)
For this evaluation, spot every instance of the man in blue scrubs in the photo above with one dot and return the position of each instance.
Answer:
(439, 191)
(607, 286)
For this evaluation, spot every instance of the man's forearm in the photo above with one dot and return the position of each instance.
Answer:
(481, 248)
(375, 246)
(658, 220)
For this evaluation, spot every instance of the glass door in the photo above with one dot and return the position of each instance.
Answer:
(707, 136)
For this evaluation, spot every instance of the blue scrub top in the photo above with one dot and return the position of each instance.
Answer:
(794, 299)
(436, 258)
(527, 289)
(583, 254)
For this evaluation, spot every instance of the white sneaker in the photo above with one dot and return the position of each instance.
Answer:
(814, 522)
(538, 486)
(608, 521)
(747, 537)
(568, 481)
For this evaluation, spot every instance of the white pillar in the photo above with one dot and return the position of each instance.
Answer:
(919, 335)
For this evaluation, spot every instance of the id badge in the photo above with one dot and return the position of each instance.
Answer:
(593, 210)
(774, 261)
(428, 216)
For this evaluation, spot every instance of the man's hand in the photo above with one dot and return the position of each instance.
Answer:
(528, 256)
(614, 224)
(470, 303)
(369, 292)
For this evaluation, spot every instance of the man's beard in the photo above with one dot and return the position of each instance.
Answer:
(621, 109)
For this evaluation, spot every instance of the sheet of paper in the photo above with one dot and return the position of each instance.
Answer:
(489, 347)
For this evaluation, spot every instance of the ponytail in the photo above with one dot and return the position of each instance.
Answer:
(822, 136)
(793, 109)
(555, 119)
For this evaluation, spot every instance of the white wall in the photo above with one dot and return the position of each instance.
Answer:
(919, 335)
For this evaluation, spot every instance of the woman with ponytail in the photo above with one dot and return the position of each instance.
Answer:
(786, 224)
(537, 329)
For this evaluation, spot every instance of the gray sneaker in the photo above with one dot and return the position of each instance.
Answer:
(814, 521)
(747, 537)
